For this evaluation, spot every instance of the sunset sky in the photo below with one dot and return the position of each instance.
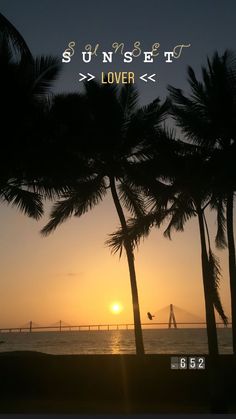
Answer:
(71, 275)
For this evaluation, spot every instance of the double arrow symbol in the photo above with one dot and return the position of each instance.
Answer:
(145, 76)
(88, 77)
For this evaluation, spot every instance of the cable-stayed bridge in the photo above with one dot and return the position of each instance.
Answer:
(170, 316)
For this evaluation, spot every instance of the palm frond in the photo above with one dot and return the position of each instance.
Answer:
(128, 98)
(6, 53)
(61, 211)
(159, 195)
(77, 201)
(143, 123)
(145, 175)
(49, 189)
(155, 112)
(207, 115)
(91, 193)
(136, 230)
(220, 238)
(18, 42)
(116, 241)
(198, 91)
(215, 274)
(179, 212)
(45, 70)
(132, 198)
(27, 202)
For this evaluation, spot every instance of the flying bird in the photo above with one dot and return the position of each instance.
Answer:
(150, 316)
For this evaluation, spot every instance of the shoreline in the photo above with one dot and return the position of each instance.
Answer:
(34, 382)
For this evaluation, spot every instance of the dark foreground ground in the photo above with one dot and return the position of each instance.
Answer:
(31, 382)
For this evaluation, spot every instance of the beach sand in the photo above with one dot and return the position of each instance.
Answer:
(32, 382)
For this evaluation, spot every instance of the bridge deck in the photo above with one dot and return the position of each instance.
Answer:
(115, 326)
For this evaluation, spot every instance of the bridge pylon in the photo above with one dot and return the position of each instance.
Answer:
(172, 318)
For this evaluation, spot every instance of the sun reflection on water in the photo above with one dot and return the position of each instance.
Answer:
(116, 342)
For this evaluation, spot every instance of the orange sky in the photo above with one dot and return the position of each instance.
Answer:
(72, 276)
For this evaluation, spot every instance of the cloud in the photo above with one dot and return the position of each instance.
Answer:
(70, 274)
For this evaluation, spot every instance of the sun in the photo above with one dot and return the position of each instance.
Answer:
(116, 308)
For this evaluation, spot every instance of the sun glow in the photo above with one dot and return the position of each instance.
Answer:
(116, 308)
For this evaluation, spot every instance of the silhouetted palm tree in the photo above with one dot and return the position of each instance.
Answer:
(184, 194)
(106, 131)
(9, 31)
(24, 83)
(208, 117)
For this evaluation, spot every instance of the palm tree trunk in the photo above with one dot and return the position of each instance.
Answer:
(232, 264)
(133, 282)
(209, 307)
(217, 393)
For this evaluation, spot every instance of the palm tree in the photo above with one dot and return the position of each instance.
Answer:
(208, 117)
(105, 131)
(184, 194)
(24, 83)
(13, 35)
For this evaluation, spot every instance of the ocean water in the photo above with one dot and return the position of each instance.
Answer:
(156, 341)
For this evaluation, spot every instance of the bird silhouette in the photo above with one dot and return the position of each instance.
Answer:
(150, 316)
